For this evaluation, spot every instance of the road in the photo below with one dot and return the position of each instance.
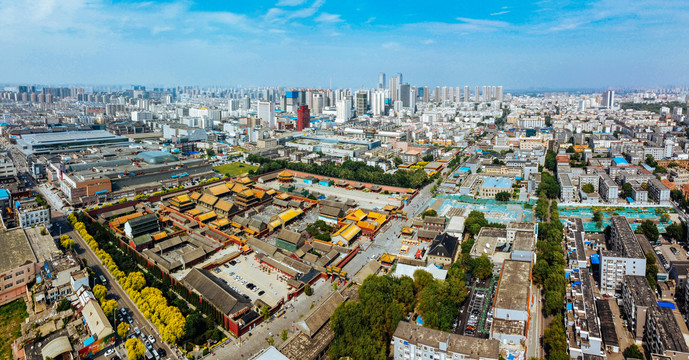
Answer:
(114, 288)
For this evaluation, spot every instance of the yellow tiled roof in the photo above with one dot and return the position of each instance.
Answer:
(348, 232)
(356, 215)
(208, 216)
(194, 212)
(218, 190)
(388, 258)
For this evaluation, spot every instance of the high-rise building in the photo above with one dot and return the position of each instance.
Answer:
(303, 118)
(608, 99)
(486, 95)
(477, 96)
(361, 102)
(405, 95)
(266, 112)
(378, 102)
(317, 103)
(344, 110)
(499, 95)
(466, 94)
(438, 95)
(426, 94)
(394, 88)
(381, 81)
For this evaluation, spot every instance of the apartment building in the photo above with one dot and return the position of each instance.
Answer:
(637, 298)
(658, 191)
(18, 265)
(413, 342)
(567, 190)
(608, 188)
(680, 176)
(30, 213)
(663, 335)
(625, 256)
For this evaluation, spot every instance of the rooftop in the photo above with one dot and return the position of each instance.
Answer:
(470, 346)
(640, 291)
(16, 250)
(626, 242)
(514, 286)
(493, 182)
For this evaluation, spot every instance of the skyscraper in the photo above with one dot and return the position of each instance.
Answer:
(394, 88)
(466, 93)
(437, 94)
(344, 110)
(608, 99)
(405, 95)
(303, 118)
(426, 94)
(499, 95)
(381, 81)
(317, 103)
(477, 97)
(361, 102)
(486, 96)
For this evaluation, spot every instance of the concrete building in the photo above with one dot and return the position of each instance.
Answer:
(18, 265)
(492, 185)
(582, 318)
(511, 305)
(567, 190)
(608, 188)
(7, 168)
(658, 191)
(412, 342)
(51, 143)
(663, 335)
(637, 298)
(625, 256)
(31, 214)
(680, 176)
(266, 112)
(180, 131)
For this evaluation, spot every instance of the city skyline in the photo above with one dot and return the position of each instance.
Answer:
(300, 43)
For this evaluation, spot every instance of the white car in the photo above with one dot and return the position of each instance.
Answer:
(109, 352)
(151, 339)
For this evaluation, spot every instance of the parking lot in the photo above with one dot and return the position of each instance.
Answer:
(245, 270)
(476, 316)
(136, 330)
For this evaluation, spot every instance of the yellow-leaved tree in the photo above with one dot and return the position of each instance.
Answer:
(99, 292)
(123, 329)
(135, 349)
(109, 306)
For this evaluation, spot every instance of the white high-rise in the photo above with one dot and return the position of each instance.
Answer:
(466, 94)
(317, 104)
(266, 112)
(378, 102)
(344, 110)
(608, 99)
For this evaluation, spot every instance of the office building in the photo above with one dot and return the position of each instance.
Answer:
(405, 95)
(317, 103)
(344, 110)
(608, 99)
(361, 102)
(381, 81)
(625, 256)
(303, 118)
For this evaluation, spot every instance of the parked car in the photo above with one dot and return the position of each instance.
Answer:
(109, 352)
(151, 339)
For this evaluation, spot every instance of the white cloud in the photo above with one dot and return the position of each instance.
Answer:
(283, 16)
(329, 18)
(392, 45)
(290, 2)
(500, 13)
(428, 42)
(484, 23)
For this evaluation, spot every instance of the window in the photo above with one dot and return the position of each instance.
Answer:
(19, 273)
(20, 281)
(8, 286)
(8, 277)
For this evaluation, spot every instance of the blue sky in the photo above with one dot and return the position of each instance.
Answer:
(517, 44)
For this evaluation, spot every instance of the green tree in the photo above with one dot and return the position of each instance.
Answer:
(627, 190)
(632, 351)
(265, 312)
(502, 196)
(570, 149)
(651, 270)
(588, 188)
(554, 337)
(398, 161)
(429, 212)
(284, 335)
(307, 290)
(660, 170)
(650, 161)
(482, 267)
(271, 341)
(598, 218)
(550, 160)
(475, 221)
(64, 305)
(649, 229)
(549, 185)
(210, 153)
(421, 279)
(677, 231)
(427, 157)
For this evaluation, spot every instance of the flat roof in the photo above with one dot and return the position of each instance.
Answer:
(641, 292)
(607, 324)
(493, 182)
(514, 285)
(627, 243)
(42, 245)
(16, 250)
(70, 136)
(474, 348)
